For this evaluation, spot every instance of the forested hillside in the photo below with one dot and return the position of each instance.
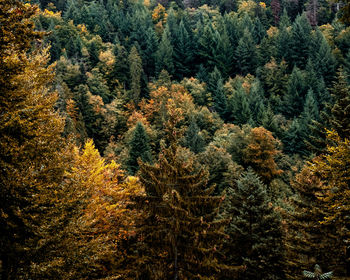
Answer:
(194, 139)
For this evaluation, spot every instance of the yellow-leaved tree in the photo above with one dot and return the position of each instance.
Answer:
(97, 219)
(31, 147)
(334, 168)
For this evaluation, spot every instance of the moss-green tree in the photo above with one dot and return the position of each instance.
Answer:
(135, 66)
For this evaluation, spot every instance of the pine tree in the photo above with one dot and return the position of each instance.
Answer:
(148, 55)
(333, 116)
(139, 148)
(255, 230)
(180, 235)
(207, 46)
(293, 139)
(223, 55)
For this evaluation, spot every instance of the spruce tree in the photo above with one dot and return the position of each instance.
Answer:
(307, 240)
(340, 111)
(292, 103)
(239, 107)
(180, 235)
(206, 46)
(223, 55)
(148, 55)
(246, 54)
(322, 57)
(164, 54)
(120, 70)
(193, 139)
(255, 230)
(300, 42)
(216, 88)
(183, 51)
(139, 148)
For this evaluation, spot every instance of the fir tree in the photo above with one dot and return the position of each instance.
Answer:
(322, 57)
(139, 148)
(255, 230)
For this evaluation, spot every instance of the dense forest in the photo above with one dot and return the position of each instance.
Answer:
(191, 139)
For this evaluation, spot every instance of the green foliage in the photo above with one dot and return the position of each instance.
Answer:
(179, 209)
(135, 66)
(300, 42)
(255, 229)
(193, 139)
(139, 149)
(245, 54)
(164, 54)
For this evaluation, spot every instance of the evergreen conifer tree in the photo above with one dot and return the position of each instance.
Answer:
(135, 66)
(292, 103)
(300, 42)
(183, 51)
(255, 230)
(164, 54)
(239, 107)
(322, 57)
(340, 111)
(216, 88)
(139, 148)
(246, 54)
(180, 234)
(307, 240)
(193, 140)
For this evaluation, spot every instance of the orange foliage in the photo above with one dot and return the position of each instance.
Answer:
(261, 152)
